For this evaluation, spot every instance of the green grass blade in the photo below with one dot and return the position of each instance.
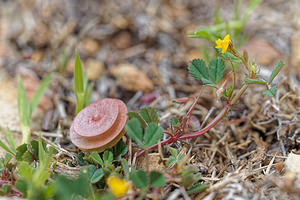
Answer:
(39, 93)
(41, 151)
(6, 148)
(23, 104)
(78, 75)
(9, 138)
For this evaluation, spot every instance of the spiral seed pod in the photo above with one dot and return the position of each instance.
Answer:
(100, 125)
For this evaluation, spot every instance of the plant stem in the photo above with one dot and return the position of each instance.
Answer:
(239, 94)
(167, 141)
(191, 135)
(208, 127)
(26, 132)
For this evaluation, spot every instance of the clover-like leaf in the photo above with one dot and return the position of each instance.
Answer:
(134, 131)
(149, 114)
(97, 175)
(157, 179)
(152, 134)
(139, 178)
(137, 116)
(97, 159)
(216, 69)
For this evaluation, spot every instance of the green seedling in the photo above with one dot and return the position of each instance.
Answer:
(26, 107)
(82, 89)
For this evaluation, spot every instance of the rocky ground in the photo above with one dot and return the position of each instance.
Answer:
(134, 50)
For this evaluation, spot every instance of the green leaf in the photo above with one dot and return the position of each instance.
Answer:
(254, 81)
(197, 189)
(229, 56)
(78, 75)
(174, 121)
(80, 160)
(22, 186)
(149, 114)
(41, 151)
(137, 116)
(6, 148)
(139, 178)
(208, 82)
(20, 151)
(125, 168)
(69, 189)
(270, 92)
(157, 179)
(39, 93)
(98, 174)
(134, 131)
(228, 91)
(198, 69)
(216, 69)
(153, 133)
(203, 33)
(275, 71)
(174, 152)
(23, 104)
(171, 161)
(9, 138)
(97, 159)
(108, 158)
(119, 150)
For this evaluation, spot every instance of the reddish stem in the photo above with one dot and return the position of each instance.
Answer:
(208, 127)
(191, 135)
(171, 139)
(224, 84)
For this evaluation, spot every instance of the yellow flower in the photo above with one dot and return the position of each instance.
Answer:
(223, 44)
(118, 187)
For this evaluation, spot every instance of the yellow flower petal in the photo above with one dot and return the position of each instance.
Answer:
(118, 187)
(227, 38)
(223, 44)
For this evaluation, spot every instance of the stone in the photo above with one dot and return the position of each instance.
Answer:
(94, 69)
(131, 78)
(89, 46)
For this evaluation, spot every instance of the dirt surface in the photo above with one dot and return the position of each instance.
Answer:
(243, 157)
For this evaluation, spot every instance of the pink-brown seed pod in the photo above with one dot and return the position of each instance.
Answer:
(100, 125)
